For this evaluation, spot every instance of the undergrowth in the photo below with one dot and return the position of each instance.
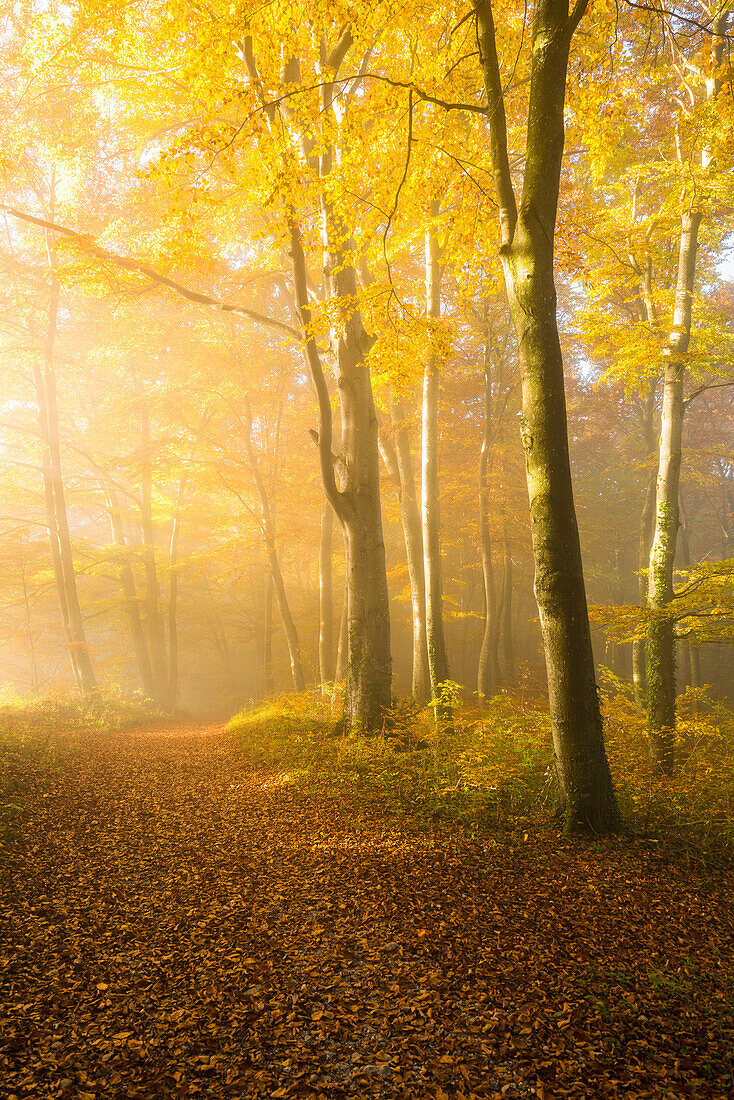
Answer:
(490, 769)
(495, 768)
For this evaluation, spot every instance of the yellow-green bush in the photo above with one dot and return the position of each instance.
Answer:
(495, 766)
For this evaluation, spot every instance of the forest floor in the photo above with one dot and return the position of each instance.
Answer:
(176, 922)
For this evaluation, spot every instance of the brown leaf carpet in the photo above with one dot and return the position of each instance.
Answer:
(176, 923)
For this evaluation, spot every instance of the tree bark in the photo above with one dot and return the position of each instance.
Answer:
(586, 792)
(173, 570)
(438, 665)
(268, 637)
(62, 554)
(35, 683)
(661, 629)
(356, 502)
(326, 600)
(342, 650)
(153, 616)
(129, 591)
(488, 673)
(508, 651)
(647, 520)
(268, 526)
(398, 461)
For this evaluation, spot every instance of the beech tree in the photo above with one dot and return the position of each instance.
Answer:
(526, 249)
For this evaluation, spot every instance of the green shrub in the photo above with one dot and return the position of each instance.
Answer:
(495, 766)
(491, 767)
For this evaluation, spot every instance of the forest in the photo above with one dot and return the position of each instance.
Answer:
(367, 548)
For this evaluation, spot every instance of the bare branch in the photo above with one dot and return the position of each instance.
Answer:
(86, 243)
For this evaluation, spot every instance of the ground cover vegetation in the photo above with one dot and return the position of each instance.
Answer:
(366, 513)
(179, 922)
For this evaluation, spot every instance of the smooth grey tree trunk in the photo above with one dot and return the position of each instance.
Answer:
(62, 555)
(268, 528)
(153, 616)
(268, 681)
(326, 599)
(586, 793)
(398, 461)
(356, 501)
(661, 628)
(173, 571)
(343, 647)
(647, 519)
(438, 665)
(508, 650)
(129, 591)
(488, 672)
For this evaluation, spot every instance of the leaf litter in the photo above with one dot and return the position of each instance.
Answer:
(178, 923)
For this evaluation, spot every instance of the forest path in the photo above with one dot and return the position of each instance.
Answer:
(176, 923)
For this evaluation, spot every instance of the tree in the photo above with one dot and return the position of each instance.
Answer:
(526, 249)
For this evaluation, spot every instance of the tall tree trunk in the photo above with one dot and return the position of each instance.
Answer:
(587, 797)
(268, 637)
(51, 525)
(398, 461)
(438, 665)
(28, 624)
(647, 517)
(508, 651)
(153, 616)
(661, 629)
(357, 504)
(691, 653)
(268, 525)
(129, 592)
(173, 571)
(488, 673)
(343, 648)
(221, 644)
(55, 498)
(639, 671)
(356, 501)
(326, 600)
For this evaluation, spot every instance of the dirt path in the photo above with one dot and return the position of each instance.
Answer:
(177, 924)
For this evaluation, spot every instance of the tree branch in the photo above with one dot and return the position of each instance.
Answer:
(86, 243)
(495, 112)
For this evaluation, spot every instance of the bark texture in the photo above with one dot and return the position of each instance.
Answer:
(356, 501)
(130, 598)
(438, 665)
(647, 521)
(173, 572)
(154, 623)
(661, 630)
(396, 454)
(268, 529)
(587, 797)
(508, 649)
(326, 599)
(488, 672)
(62, 555)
